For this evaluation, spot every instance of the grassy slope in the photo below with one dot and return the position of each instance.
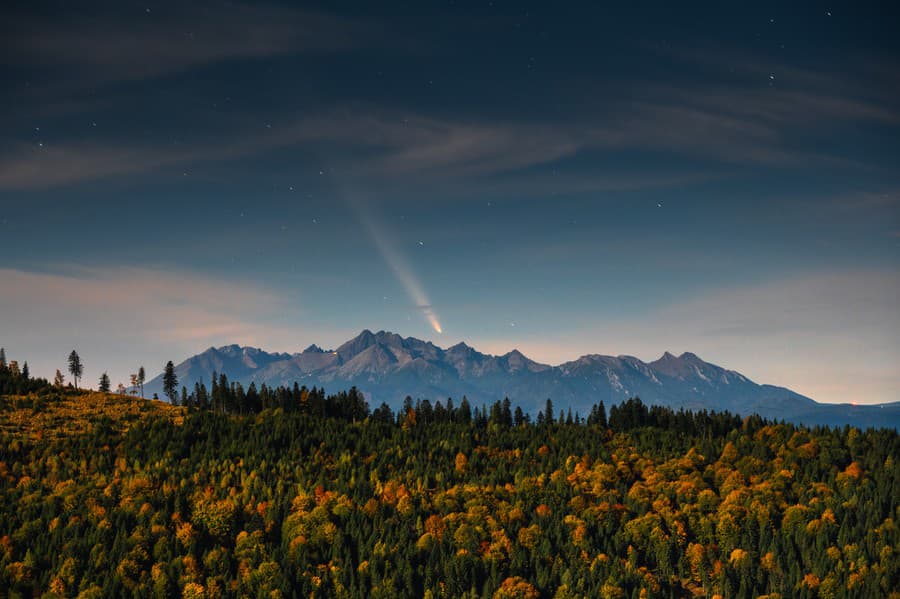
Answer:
(36, 418)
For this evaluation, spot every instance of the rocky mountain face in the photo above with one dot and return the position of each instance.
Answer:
(388, 367)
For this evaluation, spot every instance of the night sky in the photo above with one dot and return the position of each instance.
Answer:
(561, 178)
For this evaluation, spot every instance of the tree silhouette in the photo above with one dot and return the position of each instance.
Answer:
(104, 383)
(170, 381)
(141, 377)
(76, 368)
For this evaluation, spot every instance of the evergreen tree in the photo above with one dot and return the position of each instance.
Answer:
(59, 380)
(141, 377)
(170, 381)
(465, 411)
(26, 374)
(519, 418)
(76, 368)
(2, 358)
(103, 387)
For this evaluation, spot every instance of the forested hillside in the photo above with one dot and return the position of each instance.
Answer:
(299, 495)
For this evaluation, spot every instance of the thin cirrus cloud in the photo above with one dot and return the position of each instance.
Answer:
(131, 41)
(395, 146)
(147, 314)
(383, 144)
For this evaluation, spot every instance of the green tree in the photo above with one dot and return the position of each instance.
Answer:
(76, 368)
(26, 374)
(59, 380)
(141, 377)
(170, 381)
(104, 383)
(2, 358)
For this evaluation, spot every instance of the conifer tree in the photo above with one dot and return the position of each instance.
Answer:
(141, 377)
(104, 383)
(76, 368)
(170, 381)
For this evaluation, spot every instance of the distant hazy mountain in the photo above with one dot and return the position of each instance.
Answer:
(388, 367)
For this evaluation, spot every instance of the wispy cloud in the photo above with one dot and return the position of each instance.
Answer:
(394, 146)
(386, 145)
(121, 314)
(131, 41)
(736, 125)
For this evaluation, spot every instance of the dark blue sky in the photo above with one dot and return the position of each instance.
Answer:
(720, 178)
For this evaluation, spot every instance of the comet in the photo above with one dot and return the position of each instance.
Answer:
(401, 269)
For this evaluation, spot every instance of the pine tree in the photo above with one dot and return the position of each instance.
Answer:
(26, 374)
(2, 358)
(59, 380)
(104, 383)
(170, 381)
(76, 368)
(141, 377)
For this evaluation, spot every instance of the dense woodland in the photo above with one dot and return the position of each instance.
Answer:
(290, 492)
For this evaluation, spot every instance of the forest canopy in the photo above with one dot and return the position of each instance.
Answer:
(290, 492)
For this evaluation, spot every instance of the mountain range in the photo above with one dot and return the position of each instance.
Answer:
(387, 367)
